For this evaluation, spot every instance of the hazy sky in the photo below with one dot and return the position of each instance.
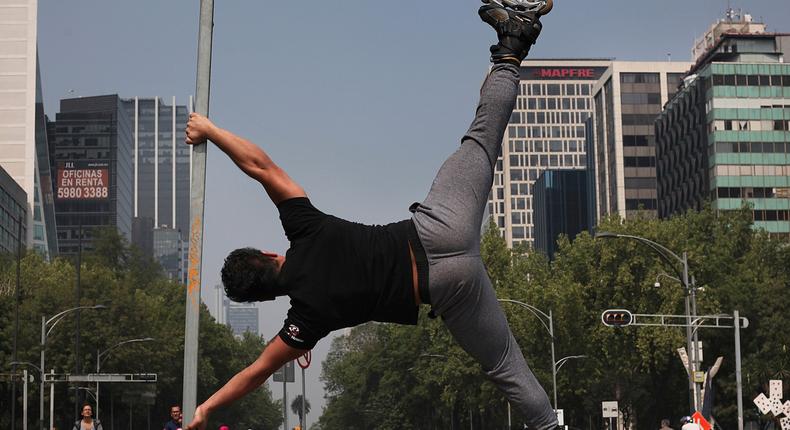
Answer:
(359, 101)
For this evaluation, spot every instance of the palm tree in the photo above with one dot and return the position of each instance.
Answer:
(296, 407)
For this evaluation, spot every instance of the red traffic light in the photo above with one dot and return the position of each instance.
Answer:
(617, 318)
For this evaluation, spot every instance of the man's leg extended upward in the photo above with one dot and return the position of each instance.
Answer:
(448, 224)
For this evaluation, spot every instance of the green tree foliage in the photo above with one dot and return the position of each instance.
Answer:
(383, 376)
(296, 406)
(141, 302)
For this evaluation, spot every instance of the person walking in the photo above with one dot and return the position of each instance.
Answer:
(87, 422)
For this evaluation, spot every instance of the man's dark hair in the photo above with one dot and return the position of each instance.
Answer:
(250, 276)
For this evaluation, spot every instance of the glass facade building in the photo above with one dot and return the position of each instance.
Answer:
(560, 207)
(627, 100)
(546, 131)
(726, 136)
(161, 163)
(95, 130)
(241, 317)
(13, 204)
(168, 250)
(23, 148)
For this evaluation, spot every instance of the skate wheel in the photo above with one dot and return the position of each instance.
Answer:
(547, 8)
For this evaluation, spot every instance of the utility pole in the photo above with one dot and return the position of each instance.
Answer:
(196, 208)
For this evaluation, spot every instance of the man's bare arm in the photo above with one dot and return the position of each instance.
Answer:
(249, 157)
(276, 354)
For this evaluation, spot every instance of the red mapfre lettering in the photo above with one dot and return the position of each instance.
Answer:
(566, 73)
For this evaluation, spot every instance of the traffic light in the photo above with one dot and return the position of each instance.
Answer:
(617, 318)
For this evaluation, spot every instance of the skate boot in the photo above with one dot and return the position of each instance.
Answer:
(517, 29)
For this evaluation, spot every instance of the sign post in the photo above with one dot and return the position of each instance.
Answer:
(611, 412)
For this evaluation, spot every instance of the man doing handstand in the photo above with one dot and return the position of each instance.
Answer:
(340, 274)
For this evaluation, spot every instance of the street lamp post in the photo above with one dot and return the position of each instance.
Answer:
(690, 302)
(46, 328)
(103, 354)
(24, 400)
(548, 323)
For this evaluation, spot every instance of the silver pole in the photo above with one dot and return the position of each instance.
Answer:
(736, 314)
(695, 358)
(41, 388)
(509, 423)
(285, 398)
(303, 418)
(553, 362)
(692, 346)
(52, 401)
(97, 383)
(197, 206)
(24, 400)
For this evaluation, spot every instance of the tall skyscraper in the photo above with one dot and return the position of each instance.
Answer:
(627, 100)
(161, 162)
(546, 131)
(23, 149)
(726, 136)
(241, 317)
(560, 207)
(90, 148)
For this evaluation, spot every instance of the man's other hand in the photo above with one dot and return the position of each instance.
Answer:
(199, 129)
(200, 420)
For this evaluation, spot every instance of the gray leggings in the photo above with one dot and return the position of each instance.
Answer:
(448, 224)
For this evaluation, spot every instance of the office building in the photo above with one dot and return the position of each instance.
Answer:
(13, 214)
(627, 100)
(161, 163)
(546, 131)
(725, 137)
(168, 250)
(560, 207)
(90, 149)
(23, 147)
(241, 317)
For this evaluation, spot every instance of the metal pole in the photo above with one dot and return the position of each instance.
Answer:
(285, 398)
(16, 320)
(736, 314)
(41, 388)
(553, 362)
(509, 423)
(303, 418)
(196, 206)
(78, 294)
(52, 401)
(689, 337)
(24, 400)
(97, 383)
(694, 356)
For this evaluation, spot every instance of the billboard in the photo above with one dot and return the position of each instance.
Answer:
(83, 180)
(552, 73)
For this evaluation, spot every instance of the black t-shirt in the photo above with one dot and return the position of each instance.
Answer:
(340, 273)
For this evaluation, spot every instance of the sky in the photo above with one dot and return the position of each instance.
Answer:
(359, 101)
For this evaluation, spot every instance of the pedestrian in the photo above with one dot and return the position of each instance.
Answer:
(175, 418)
(665, 425)
(341, 274)
(87, 422)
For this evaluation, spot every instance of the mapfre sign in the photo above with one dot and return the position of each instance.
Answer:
(82, 180)
(561, 73)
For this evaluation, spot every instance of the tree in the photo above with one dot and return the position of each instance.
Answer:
(385, 376)
(296, 406)
(141, 302)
